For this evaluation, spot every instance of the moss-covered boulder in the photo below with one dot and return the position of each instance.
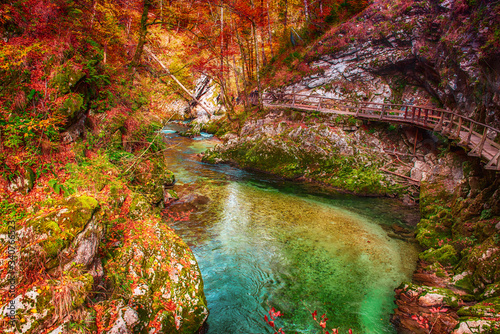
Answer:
(157, 273)
(312, 151)
(492, 290)
(432, 232)
(430, 296)
(484, 263)
(489, 308)
(446, 255)
(477, 325)
(117, 317)
(67, 76)
(53, 229)
(72, 103)
(139, 206)
(49, 302)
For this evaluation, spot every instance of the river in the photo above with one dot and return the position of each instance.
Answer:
(262, 242)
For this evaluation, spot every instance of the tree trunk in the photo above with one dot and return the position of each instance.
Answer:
(244, 66)
(306, 10)
(256, 44)
(142, 34)
(269, 31)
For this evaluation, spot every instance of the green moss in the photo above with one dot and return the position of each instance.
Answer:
(487, 308)
(288, 158)
(139, 206)
(446, 255)
(71, 105)
(431, 233)
(66, 77)
(464, 281)
(492, 290)
(483, 261)
(450, 298)
(62, 225)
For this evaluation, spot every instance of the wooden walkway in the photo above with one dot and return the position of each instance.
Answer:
(473, 135)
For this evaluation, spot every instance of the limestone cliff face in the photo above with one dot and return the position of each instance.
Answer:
(416, 52)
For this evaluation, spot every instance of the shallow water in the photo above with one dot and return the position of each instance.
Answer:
(262, 242)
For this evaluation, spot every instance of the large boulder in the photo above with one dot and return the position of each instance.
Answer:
(157, 273)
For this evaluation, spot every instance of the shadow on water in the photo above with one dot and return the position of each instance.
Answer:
(262, 241)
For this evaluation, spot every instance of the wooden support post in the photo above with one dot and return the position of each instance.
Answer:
(439, 126)
(471, 127)
(415, 143)
(426, 117)
(319, 103)
(413, 114)
(476, 151)
(406, 112)
(456, 135)
(293, 97)
(382, 112)
(419, 115)
(450, 126)
(494, 163)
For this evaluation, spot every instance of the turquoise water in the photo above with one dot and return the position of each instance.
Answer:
(262, 242)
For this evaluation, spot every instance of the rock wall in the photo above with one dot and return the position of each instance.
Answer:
(455, 288)
(335, 151)
(424, 52)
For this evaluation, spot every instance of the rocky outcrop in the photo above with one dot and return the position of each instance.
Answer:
(140, 272)
(417, 52)
(313, 150)
(339, 151)
(459, 234)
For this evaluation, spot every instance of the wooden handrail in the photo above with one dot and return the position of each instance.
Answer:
(448, 122)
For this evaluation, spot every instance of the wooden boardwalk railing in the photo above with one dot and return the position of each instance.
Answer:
(470, 133)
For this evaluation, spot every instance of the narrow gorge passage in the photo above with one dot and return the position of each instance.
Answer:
(263, 242)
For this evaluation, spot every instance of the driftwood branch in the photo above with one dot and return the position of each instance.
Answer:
(176, 80)
(400, 175)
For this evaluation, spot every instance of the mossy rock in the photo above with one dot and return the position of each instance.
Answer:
(428, 295)
(116, 196)
(489, 308)
(62, 225)
(159, 274)
(433, 197)
(431, 233)
(464, 281)
(446, 255)
(71, 105)
(36, 308)
(477, 325)
(484, 262)
(139, 206)
(67, 76)
(492, 290)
